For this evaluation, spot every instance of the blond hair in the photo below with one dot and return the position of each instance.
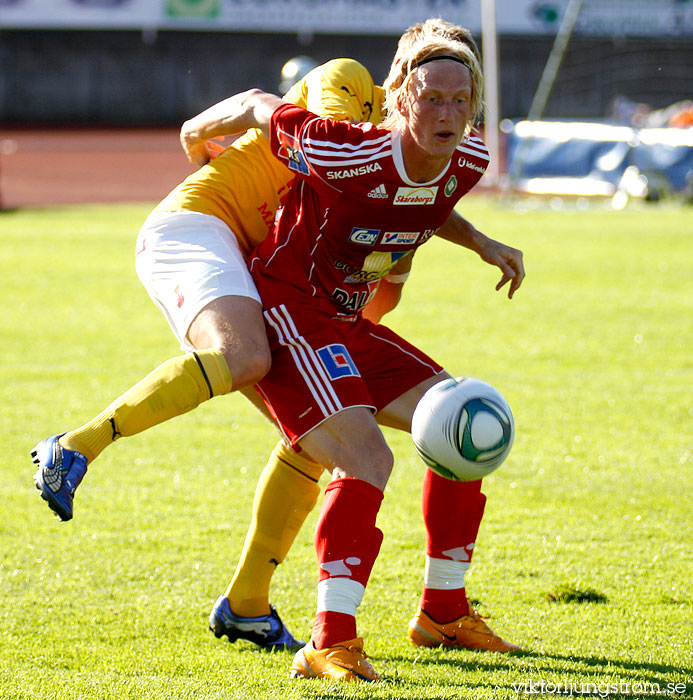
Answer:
(435, 27)
(398, 82)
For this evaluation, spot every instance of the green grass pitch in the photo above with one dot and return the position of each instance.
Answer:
(584, 557)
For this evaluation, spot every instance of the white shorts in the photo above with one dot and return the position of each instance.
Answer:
(185, 260)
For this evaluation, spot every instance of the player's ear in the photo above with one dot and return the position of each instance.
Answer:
(403, 102)
(405, 98)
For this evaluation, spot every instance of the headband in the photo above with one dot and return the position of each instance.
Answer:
(439, 57)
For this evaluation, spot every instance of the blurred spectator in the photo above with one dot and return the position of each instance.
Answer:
(625, 111)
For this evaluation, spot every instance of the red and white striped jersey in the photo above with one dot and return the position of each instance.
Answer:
(353, 211)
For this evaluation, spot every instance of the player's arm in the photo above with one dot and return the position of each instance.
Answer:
(252, 109)
(389, 291)
(460, 231)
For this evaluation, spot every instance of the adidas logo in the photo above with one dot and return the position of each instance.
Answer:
(378, 192)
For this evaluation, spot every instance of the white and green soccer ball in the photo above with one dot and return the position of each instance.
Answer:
(463, 428)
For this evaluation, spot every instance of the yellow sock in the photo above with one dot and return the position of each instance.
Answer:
(174, 387)
(286, 492)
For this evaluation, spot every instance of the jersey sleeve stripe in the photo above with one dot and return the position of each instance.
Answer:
(353, 161)
(347, 146)
(384, 148)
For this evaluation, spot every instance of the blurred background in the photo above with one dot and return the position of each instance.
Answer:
(584, 97)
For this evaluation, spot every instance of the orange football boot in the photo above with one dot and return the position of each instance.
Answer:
(469, 632)
(341, 662)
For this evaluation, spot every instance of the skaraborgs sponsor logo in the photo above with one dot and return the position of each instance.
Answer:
(400, 237)
(378, 192)
(364, 236)
(354, 172)
(464, 163)
(416, 195)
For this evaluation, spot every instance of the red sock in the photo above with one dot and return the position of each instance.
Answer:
(347, 544)
(452, 512)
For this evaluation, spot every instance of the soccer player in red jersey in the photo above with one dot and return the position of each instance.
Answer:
(364, 197)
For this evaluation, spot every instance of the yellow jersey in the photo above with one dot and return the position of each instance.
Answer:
(245, 185)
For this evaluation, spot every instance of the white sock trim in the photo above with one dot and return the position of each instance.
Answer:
(342, 595)
(444, 574)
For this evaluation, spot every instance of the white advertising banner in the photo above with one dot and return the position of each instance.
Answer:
(662, 18)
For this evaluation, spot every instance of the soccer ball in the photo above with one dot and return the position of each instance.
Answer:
(463, 428)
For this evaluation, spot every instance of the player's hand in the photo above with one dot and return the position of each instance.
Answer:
(509, 260)
(196, 149)
(202, 153)
(198, 154)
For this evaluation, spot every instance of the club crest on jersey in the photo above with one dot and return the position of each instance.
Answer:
(295, 158)
(450, 186)
(464, 163)
(364, 236)
(337, 361)
(416, 195)
(353, 172)
(400, 237)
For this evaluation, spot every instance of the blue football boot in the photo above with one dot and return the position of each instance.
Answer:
(58, 475)
(268, 631)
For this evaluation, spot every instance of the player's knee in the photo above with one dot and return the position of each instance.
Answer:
(372, 462)
(381, 466)
(258, 366)
(249, 366)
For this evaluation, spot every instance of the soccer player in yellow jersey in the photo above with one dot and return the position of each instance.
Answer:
(244, 186)
(191, 257)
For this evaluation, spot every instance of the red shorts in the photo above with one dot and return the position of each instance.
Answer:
(322, 365)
